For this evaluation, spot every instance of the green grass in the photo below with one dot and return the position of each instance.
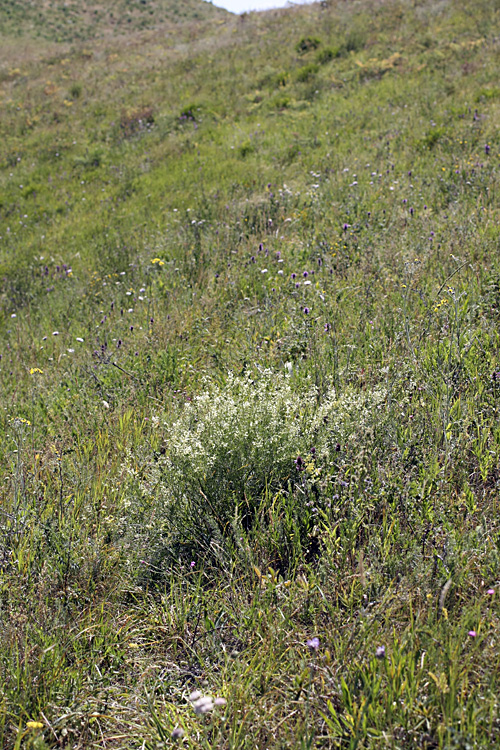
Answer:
(80, 21)
(249, 306)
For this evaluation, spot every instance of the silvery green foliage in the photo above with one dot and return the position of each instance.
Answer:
(351, 417)
(231, 444)
(239, 437)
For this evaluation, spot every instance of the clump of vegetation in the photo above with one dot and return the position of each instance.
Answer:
(306, 44)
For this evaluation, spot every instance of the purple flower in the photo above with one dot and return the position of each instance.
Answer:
(472, 633)
(305, 274)
(306, 311)
(490, 592)
(299, 463)
(345, 227)
(487, 149)
(313, 643)
(380, 652)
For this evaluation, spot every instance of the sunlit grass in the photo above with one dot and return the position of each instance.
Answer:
(249, 305)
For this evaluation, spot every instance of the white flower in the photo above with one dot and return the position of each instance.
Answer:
(203, 705)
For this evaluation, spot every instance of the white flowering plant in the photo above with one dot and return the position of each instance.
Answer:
(238, 438)
(235, 443)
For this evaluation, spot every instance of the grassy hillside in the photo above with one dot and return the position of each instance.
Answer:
(78, 20)
(249, 365)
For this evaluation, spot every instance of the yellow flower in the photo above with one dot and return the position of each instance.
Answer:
(35, 369)
(34, 725)
(159, 261)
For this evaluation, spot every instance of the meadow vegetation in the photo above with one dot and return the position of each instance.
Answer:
(250, 376)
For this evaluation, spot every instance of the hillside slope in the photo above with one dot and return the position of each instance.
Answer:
(72, 20)
(250, 379)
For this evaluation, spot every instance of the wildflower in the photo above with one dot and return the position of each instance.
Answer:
(18, 421)
(299, 463)
(35, 369)
(313, 643)
(380, 652)
(203, 705)
(158, 261)
(306, 311)
(490, 592)
(472, 633)
(55, 333)
(487, 149)
(220, 702)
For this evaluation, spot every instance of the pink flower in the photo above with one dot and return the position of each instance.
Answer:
(313, 643)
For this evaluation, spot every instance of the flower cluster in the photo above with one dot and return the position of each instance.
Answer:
(204, 704)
